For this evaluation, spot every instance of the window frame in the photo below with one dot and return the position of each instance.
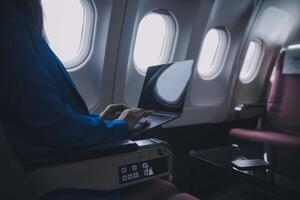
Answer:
(169, 39)
(221, 54)
(87, 36)
(253, 71)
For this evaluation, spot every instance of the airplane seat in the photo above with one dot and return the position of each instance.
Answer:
(281, 122)
(14, 183)
(34, 180)
(284, 101)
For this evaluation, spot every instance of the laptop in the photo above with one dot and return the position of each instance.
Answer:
(164, 91)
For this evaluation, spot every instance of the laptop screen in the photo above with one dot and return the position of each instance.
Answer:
(165, 87)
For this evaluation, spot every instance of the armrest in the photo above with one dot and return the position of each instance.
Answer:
(36, 162)
(241, 107)
(257, 105)
(249, 110)
(102, 168)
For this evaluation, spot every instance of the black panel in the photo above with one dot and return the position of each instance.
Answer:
(140, 170)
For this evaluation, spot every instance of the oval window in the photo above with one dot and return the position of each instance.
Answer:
(154, 40)
(213, 53)
(64, 24)
(252, 61)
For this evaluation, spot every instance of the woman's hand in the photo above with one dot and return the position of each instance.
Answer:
(113, 111)
(133, 115)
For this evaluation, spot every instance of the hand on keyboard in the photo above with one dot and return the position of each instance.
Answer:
(140, 126)
(133, 115)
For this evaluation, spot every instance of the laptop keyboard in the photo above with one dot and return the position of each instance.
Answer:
(154, 118)
(157, 117)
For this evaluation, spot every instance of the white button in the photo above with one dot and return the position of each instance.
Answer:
(145, 165)
(135, 175)
(151, 172)
(134, 167)
(123, 170)
(146, 173)
(124, 178)
(130, 177)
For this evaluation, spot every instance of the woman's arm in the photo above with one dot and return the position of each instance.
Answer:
(30, 93)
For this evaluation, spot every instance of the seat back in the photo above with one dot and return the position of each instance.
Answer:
(284, 101)
(13, 179)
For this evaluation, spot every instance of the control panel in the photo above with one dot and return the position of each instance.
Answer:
(136, 171)
(108, 168)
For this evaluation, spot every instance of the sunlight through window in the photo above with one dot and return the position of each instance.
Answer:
(64, 21)
(213, 52)
(251, 62)
(154, 41)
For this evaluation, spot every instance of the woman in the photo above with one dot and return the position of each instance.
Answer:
(41, 110)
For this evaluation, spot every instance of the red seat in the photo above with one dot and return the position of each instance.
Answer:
(269, 137)
(282, 119)
(281, 123)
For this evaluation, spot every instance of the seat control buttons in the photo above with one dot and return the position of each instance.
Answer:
(134, 167)
(135, 175)
(130, 177)
(123, 170)
(145, 165)
(146, 172)
(124, 178)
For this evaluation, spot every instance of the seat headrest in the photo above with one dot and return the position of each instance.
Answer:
(291, 62)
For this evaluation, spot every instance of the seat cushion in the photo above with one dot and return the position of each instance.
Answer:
(183, 196)
(266, 136)
(155, 189)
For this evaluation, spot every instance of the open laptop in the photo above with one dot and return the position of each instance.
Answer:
(164, 91)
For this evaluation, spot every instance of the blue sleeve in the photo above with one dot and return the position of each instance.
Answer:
(29, 92)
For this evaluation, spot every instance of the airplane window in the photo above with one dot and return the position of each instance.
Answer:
(213, 53)
(154, 41)
(251, 62)
(64, 23)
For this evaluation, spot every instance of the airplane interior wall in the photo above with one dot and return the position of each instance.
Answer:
(275, 21)
(109, 74)
(94, 77)
(234, 45)
(129, 80)
(208, 98)
(191, 17)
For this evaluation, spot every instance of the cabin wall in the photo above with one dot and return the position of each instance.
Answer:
(108, 74)
(275, 21)
(194, 19)
(128, 80)
(95, 76)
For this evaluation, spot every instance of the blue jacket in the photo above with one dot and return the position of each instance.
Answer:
(40, 108)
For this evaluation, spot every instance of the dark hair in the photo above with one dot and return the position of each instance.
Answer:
(32, 9)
